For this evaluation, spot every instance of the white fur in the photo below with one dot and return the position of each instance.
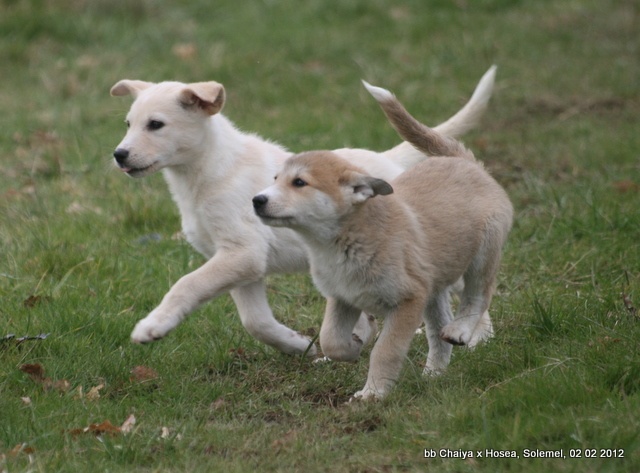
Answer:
(213, 170)
(378, 93)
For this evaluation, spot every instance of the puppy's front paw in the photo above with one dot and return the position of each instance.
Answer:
(367, 394)
(149, 330)
(456, 333)
(431, 371)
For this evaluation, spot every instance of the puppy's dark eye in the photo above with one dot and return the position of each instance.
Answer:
(297, 182)
(154, 125)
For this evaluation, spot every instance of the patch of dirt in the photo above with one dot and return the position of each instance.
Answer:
(330, 398)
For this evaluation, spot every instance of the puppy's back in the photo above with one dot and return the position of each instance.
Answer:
(455, 200)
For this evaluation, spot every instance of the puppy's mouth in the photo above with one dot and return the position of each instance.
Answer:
(137, 171)
(276, 221)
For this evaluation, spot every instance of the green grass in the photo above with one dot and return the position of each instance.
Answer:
(76, 260)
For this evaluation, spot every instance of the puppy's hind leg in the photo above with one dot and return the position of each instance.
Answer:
(484, 328)
(479, 282)
(474, 303)
(366, 328)
(258, 320)
(436, 316)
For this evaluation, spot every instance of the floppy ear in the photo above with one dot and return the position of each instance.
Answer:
(207, 96)
(364, 187)
(129, 87)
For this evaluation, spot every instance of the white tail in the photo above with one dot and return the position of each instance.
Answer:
(469, 115)
(378, 93)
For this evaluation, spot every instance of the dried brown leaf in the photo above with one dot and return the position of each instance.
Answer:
(628, 304)
(31, 301)
(218, 404)
(140, 374)
(625, 186)
(94, 393)
(20, 448)
(287, 439)
(35, 371)
(61, 385)
(103, 428)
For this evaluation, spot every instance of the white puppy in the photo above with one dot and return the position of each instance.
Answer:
(213, 170)
(395, 256)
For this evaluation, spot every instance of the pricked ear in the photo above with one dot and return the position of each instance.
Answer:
(364, 187)
(129, 87)
(207, 96)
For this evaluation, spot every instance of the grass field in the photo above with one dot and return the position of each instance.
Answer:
(86, 252)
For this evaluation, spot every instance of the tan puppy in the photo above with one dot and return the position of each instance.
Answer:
(396, 255)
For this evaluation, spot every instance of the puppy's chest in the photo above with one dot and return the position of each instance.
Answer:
(205, 225)
(198, 235)
(355, 281)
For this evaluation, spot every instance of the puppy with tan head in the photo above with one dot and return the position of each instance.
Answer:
(213, 169)
(395, 249)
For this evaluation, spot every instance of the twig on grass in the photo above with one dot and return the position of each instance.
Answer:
(553, 364)
(11, 337)
(628, 304)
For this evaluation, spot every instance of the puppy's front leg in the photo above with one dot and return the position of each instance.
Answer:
(257, 318)
(337, 340)
(391, 349)
(436, 316)
(227, 269)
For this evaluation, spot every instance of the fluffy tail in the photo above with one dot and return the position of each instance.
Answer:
(425, 139)
(467, 118)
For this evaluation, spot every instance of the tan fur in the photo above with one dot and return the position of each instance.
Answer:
(397, 255)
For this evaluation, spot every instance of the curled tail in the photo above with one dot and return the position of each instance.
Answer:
(425, 139)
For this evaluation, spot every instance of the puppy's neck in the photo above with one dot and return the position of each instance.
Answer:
(355, 229)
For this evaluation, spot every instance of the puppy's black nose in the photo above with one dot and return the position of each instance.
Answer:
(259, 201)
(121, 155)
